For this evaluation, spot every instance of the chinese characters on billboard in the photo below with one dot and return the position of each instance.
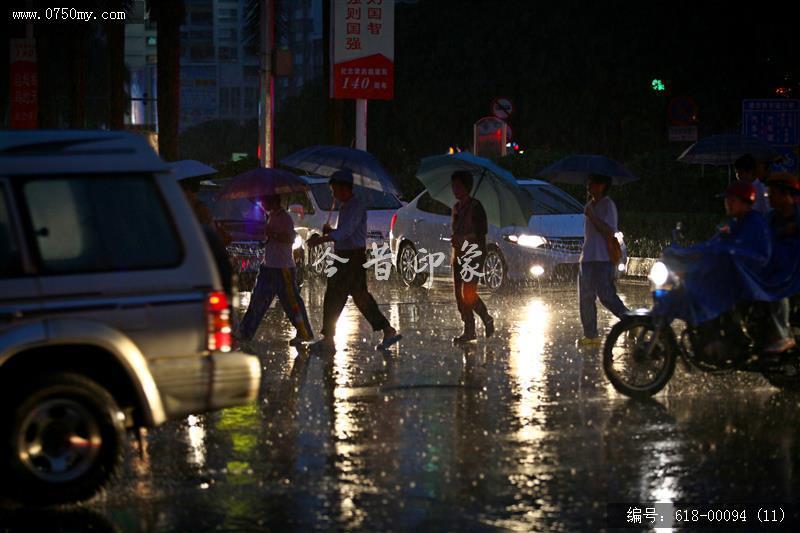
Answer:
(24, 83)
(363, 48)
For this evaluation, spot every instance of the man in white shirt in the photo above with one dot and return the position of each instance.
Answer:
(277, 276)
(596, 276)
(350, 279)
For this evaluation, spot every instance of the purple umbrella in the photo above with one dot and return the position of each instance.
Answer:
(262, 182)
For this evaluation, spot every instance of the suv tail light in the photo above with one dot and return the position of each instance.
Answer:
(391, 224)
(218, 318)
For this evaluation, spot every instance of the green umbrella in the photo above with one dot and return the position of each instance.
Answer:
(505, 202)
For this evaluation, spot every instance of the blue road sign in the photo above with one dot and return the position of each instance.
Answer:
(776, 122)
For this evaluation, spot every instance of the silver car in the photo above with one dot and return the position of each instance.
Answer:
(549, 247)
(113, 311)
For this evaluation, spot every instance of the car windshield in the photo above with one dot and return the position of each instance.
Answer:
(372, 199)
(548, 199)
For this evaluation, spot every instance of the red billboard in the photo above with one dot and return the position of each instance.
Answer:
(24, 83)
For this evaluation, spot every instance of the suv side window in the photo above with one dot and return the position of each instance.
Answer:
(10, 256)
(428, 204)
(97, 224)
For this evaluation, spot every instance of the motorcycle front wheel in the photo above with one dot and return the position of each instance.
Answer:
(639, 360)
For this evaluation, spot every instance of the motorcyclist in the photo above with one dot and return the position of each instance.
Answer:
(784, 219)
(784, 223)
(728, 268)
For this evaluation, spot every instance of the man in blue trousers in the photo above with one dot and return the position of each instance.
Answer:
(277, 277)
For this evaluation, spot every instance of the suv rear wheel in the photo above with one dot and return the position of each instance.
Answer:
(64, 440)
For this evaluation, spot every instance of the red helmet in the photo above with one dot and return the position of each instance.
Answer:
(741, 190)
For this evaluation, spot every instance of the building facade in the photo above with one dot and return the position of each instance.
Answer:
(219, 73)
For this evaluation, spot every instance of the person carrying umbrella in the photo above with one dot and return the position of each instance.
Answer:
(470, 227)
(481, 193)
(596, 275)
(601, 249)
(350, 278)
(277, 276)
(746, 171)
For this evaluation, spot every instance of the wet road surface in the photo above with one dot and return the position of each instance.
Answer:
(519, 432)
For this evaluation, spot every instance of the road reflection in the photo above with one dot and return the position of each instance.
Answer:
(517, 432)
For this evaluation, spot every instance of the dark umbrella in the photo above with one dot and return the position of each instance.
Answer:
(577, 168)
(726, 149)
(189, 168)
(325, 160)
(262, 182)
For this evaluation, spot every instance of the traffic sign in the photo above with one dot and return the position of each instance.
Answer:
(682, 111)
(502, 108)
(490, 135)
(775, 121)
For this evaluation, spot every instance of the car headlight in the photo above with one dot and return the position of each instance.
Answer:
(298, 243)
(659, 274)
(528, 241)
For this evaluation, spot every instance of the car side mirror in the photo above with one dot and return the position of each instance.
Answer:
(298, 210)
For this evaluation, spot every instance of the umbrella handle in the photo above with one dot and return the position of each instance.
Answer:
(330, 213)
(480, 180)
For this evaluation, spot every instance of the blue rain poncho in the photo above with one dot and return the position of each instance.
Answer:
(743, 262)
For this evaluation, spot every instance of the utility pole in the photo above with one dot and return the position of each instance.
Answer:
(361, 124)
(266, 101)
(335, 105)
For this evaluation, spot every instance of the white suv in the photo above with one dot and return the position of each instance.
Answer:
(113, 313)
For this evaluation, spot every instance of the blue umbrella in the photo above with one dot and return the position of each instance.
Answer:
(325, 160)
(726, 149)
(505, 203)
(577, 168)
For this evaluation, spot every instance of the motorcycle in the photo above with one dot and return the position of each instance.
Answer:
(641, 351)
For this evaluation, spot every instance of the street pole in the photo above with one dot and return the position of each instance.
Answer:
(361, 124)
(266, 102)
